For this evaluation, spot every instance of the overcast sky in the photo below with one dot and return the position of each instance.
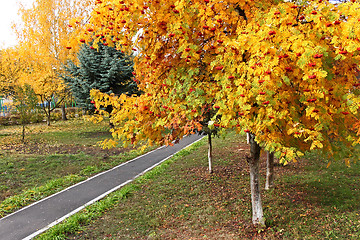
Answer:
(8, 15)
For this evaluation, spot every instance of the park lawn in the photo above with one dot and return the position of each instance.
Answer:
(52, 158)
(182, 201)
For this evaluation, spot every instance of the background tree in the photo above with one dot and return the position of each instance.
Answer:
(11, 68)
(105, 69)
(26, 103)
(45, 44)
(284, 73)
(210, 130)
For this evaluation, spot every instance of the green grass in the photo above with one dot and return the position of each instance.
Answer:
(73, 131)
(323, 202)
(37, 193)
(182, 201)
(52, 159)
(319, 203)
(76, 132)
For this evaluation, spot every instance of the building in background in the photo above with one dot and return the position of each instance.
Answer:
(5, 109)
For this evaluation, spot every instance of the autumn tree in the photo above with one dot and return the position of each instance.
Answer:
(11, 68)
(45, 42)
(210, 128)
(26, 103)
(285, 73)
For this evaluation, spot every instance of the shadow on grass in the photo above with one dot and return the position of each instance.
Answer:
(316, 202)
(98, 134)
(340, 193)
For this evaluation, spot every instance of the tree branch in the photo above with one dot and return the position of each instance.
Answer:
(241, 12)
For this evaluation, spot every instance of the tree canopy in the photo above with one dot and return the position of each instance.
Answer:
(285, 72)
(11, 68)
(44, 45)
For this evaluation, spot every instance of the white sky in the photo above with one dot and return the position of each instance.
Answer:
(9, 15)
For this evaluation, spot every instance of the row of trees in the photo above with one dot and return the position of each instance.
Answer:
(44, 65)
(283, 72)
(43, 37)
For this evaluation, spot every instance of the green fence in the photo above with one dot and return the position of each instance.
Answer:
(2, 110)
(4, 107)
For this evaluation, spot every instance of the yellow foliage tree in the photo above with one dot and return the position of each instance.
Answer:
(45, 44)
(285, 73)
(11, 68)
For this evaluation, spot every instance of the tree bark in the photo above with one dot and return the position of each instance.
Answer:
(269, 170)
(48, 115)
(210, 152)
(254, 164)
(23, 133)
(63, 112)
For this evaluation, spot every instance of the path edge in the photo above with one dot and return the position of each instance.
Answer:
(102, 195)
(79, 183)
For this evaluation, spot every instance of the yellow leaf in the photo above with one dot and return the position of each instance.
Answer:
(328, 165)
(347, 162)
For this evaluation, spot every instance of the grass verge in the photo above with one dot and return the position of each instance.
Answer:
(28, 196)
(52, 159)
(74, 224)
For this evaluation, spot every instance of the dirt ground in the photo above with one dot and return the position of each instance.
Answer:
(44, 149)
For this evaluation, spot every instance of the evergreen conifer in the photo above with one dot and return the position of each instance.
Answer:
(105, 68)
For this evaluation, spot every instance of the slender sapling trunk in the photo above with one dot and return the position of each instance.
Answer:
(254, 164)
(48, 115)
(23, 133)
(269, 170)
(210, 152)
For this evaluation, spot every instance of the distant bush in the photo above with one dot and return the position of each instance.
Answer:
(13, 118)
(37, 117)
(56, 115)
(4, 121)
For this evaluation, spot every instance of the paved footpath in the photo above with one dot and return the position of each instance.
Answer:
(40, 216)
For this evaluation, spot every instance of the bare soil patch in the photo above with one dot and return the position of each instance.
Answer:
(45, 149)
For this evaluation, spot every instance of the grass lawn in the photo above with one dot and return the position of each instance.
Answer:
(182, 201)
(52, 159)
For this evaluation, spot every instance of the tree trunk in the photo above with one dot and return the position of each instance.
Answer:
(210, 152)
(23, 133)
(63, 112)
(269, 170)
(254, 164)
(48, 119)
(48, 115)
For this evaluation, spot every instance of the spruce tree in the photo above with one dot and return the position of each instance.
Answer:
(105, 68)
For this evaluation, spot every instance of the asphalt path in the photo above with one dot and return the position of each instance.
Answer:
(32, 220)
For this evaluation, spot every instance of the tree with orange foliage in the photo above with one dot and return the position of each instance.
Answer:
(284, 73)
